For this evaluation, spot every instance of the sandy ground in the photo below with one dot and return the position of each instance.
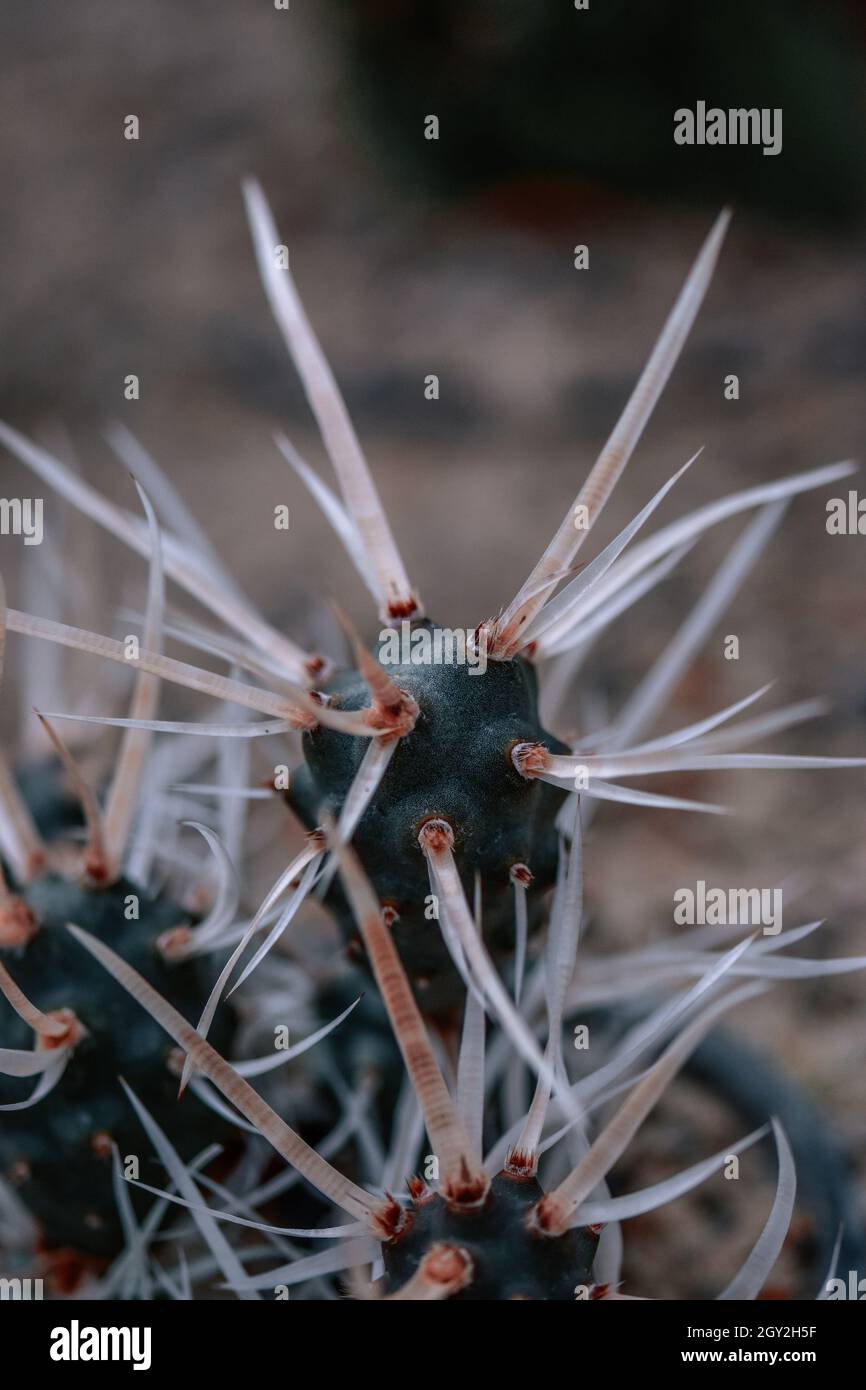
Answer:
(134, 258)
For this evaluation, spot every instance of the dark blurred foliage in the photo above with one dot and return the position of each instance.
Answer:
(534, 97)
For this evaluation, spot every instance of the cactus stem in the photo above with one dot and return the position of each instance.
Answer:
(123, 793)
(44, 1025)
(281, 1136)
(20, 841)
(505, 634)
(552, 1214)
(436, 839)
(396, 597)
(95, 859)
(234, 611)
(440, 1115)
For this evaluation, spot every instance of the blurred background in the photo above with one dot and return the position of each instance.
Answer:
(455, 257)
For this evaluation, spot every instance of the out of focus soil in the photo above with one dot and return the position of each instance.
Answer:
(124, 257)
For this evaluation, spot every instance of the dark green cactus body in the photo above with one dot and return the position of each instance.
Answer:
(56, 1152)
(455, 764)
(510, 1258)
(50, 800)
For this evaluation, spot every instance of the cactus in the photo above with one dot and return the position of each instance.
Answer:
(60, 1156)
(456, 763)
(440, 814)
(495, 1250)
(68, 1027)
